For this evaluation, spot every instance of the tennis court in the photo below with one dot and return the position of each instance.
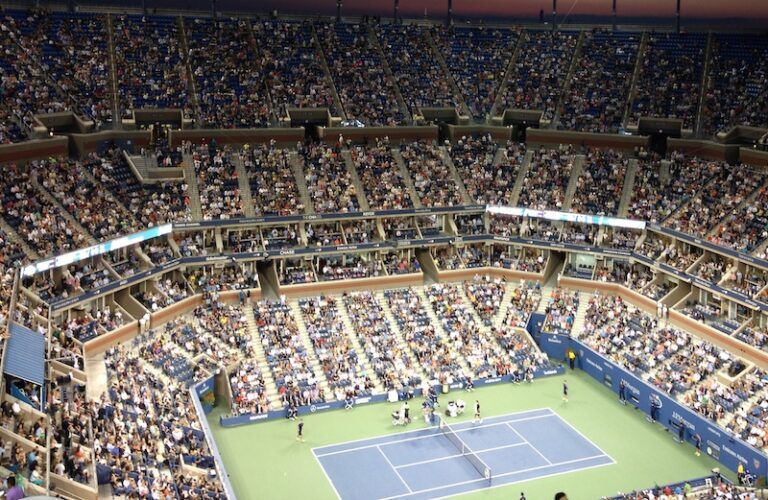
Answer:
(438, 462)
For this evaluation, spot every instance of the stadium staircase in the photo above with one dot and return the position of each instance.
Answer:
(573, 181)
(327, 70)
(635, 78)
(364, 206)
(506, 300)
(501, 91)
(458, 96)
(629, 186)
(373, 39)
(704, 86)
(14, 236)
(116, 115)
(301, 181)
(314, 362)
(575, 61)
(362, 356)
(183, 40)
(465, 198)
(190, 177)
(515, 196)
(421, 292)
(407, 179)
(245, 187)
(399, 335)
(66, 215)
(581, 314)
(261, 358)
(96, 371)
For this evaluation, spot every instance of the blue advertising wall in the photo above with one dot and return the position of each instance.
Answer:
(232, 421)
(717, 442)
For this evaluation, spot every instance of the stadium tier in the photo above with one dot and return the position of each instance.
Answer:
(208, 223)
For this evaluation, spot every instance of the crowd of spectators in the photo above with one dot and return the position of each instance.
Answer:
(431, 176)
(272, 181)
(37, 220)
(486, 181)
(87, 201)
(485, 294)
(483, 355)
(25, 86)
(669, 84)
(599, 187)
(599, 88)
(75, 54)
(352, 266)
(291, 66)
(218, 184)
(659, 192)
(561, 311)
(737, 78)
(538, 74)
(385, 352)
(357, 70)
(230, 89)
(477, 58)
(546, 180)
(329, 182)
(144, 428)
(418, 73)
(334, 349)
(150, 63)
(435, 352)
(286, 354)
(711, 206)
(151, 204)
(379, 173)
(746, 228)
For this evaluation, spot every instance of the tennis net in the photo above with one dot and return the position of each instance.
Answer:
(465, 450)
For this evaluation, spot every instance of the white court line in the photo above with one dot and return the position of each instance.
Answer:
(530, 479)
(428, 436)
(394, 469)
(327, 476)
(538, 467)
(498, 417)
(529, 444)
(431, 460)
(577, 431)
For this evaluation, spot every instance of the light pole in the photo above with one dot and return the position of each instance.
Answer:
(554, 15)
(449, 18)
(338, 11)
(614, 15)
(678, 16)
(397, 11)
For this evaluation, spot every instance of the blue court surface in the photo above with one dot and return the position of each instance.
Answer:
(428, 464)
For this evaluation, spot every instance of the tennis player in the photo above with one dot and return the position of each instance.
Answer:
(565, 391)
(300, 435)
(477, 418)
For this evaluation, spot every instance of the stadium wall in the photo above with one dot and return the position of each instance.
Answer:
(725, 448)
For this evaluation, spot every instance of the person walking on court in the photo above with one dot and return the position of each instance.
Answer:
(565, 391)
(623, 392)
(477, 418)
(522, 496)
(697, 442)
(300, 435)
